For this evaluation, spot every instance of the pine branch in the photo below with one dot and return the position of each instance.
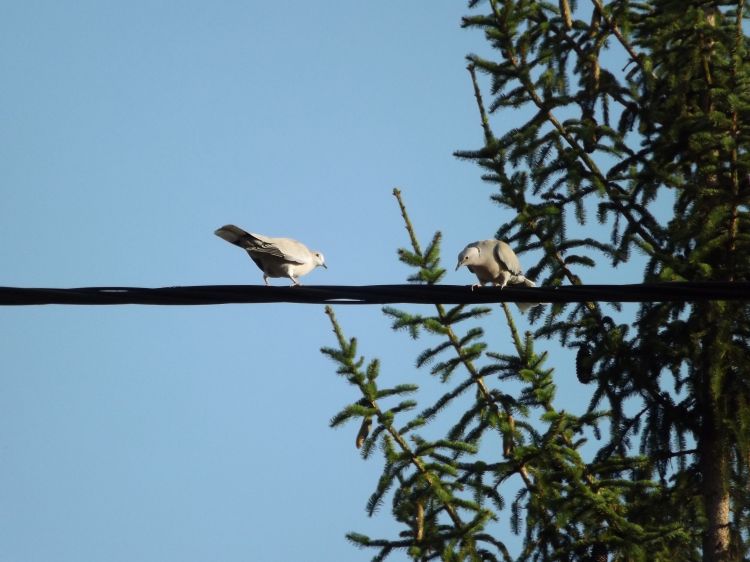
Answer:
(612, 25)
(352, 370)
(692, 121)
(489, 138)
(407, 223)
(456, 343)
(733, 230)
(557, 437)
(613, 191)
(533, 225)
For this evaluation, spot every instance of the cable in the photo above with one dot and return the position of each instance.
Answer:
(375, 294)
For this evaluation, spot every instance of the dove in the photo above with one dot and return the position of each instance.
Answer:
(276, 257)
(493, 261)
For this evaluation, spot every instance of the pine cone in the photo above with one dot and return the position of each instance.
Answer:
(584, 365)
(599, 553)
(364, 431)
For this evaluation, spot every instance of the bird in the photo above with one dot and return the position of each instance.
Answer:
(493, 261)
(275, 257)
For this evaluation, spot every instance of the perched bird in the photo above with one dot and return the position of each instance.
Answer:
(493, 261)
(276, 257)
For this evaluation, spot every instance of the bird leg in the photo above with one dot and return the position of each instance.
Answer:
(265, 279)
(504, 278)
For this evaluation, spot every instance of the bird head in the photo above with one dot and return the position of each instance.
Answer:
(319, 259)
(469, 256)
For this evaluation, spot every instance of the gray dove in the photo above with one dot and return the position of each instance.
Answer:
(493, 261)
(276, 257)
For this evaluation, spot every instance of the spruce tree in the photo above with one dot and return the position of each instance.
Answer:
(635, 106)
(672, 125)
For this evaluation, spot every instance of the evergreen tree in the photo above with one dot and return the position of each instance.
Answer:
(672, 387)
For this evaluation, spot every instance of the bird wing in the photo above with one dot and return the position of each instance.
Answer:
(506, 257)
(258, 245)
(285, 248)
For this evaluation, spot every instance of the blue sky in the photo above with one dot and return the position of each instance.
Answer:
(129, 131)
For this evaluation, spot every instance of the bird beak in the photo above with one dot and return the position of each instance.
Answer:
(458, 265)
(324, 265)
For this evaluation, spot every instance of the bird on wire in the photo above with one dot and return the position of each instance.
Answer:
(493, 261)
(275, 257)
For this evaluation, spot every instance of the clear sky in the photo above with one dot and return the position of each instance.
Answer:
(130, 131)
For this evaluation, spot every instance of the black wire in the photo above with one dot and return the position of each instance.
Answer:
(375, 294)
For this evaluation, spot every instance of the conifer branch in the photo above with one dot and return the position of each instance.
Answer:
(489, 138)
(551, 251)
(620, 504)
(546, 405)
(407, 222)
(738, 52)
(532, 224)
(651, 244)
(554, 453)
(691, 123)
(455, 342)
(612, 25)
(513, 330)
(359, 379)
(490, 400)
(487, 396)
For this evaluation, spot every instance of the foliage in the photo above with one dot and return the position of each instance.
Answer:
(671, 387)
(448, 492)
(673, 127)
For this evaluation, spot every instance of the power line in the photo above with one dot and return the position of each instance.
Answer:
(375, 294)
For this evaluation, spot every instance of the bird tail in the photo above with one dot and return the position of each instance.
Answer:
(235, 235)
(524, 306)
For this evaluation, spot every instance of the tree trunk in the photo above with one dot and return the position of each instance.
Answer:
(715, 471)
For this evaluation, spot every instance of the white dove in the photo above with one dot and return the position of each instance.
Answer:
(276, 257)
(493, 261)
